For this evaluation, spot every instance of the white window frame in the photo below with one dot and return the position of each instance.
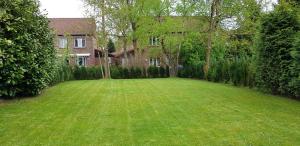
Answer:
(154, 62)
(84, 60)
(62, 42)
(123, 61)
(109, 60)
(80, 43)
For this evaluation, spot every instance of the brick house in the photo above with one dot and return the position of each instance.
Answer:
(149, 55)
(76, 38)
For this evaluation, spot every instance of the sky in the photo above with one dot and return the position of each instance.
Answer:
(63, 8)
(74, 8)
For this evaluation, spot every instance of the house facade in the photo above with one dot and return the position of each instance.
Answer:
(150, 52)
(76, 39)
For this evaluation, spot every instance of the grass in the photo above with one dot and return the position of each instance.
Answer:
(150, 112)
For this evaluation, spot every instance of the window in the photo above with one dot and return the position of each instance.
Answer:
(79, 42)
(154, 41)
(109, 60)
(154, 62)
(81, 61)
(62, 42)
(123, 61)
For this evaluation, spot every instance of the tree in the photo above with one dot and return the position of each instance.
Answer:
(275, 62)
(27, 54)
(213, 23)
(119, 23)
(160, 24)
(99, 10)
(111, 46)
(136, 10)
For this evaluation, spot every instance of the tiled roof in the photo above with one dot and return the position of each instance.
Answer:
(73, 26)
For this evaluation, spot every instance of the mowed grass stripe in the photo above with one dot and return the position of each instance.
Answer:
(150, 112)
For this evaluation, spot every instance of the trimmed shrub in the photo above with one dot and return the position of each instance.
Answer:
(191, 72)
(125, 73)
(135, 72)
(167, 71)
(162, 72)
(138, 73)
(237, 71)
(153, 72)
(87, 73)
(116, 72)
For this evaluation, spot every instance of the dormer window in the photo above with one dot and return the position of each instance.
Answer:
(79, 42)
(62, 42)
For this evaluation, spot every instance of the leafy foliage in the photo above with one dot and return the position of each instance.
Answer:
(135, 72)
(87, 73)
(27, 54)
(63, 72)
(276, 67)
(111, 46)
(226, 66)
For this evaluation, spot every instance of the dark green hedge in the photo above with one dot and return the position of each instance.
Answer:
(63, 72)
(135, 72)
(278, 52)
(87, 73)
(238, 71)
(27, 54)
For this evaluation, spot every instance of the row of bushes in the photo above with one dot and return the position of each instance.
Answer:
(135, 72)
(237, 71)
(65, 73)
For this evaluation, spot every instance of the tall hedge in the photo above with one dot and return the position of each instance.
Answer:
(27, 54)
(276, 65)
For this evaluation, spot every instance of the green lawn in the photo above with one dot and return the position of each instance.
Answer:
(150, 112)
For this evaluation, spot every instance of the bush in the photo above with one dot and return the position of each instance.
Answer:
(153, 72)
(125, 73)
(63, 72)
(167, 71)
(27, 55)
(139, 71)
(135, 72)
(191, 72)
(87, 73)
(237, 71)
(162, 72)
(275, 62)
(294, 83)
(116, 72)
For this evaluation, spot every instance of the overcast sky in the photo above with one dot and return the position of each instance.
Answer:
(75, 8)
(63, 8)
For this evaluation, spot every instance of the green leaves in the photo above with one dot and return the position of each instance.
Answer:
(26, 49)
(276, 68)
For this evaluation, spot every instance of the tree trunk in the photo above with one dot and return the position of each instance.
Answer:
(138, 61)
(125, 52)
(107, 70)
(106, 66)
(207, 56)
(214, 14)
(101, 67)
(177, 58)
